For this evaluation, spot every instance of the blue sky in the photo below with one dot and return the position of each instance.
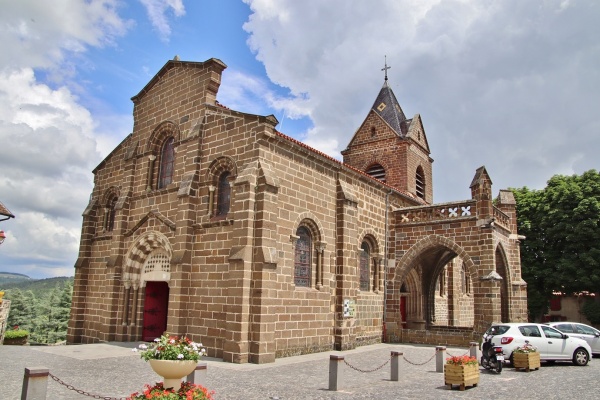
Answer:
(513, 85)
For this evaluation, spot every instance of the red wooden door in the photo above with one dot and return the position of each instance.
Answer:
(403, 310)
(156, 304)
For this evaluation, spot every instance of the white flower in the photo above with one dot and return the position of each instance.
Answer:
(134, 350)
(180, 356)
(143, 346)
(157, 340)
(172, 341)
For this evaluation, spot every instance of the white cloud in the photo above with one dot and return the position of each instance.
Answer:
(511, 85)
(157, 13)
(48, 139)
(39, 34)
(48, 151)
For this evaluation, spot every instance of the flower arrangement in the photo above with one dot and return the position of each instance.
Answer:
(462, 360)
(187, 391)
(169, 347)
(526, 348)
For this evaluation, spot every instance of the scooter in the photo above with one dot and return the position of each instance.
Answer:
(492, 357)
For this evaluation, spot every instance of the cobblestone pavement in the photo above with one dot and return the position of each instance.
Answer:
(113, 370)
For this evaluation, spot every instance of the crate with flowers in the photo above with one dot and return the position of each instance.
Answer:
(526, 357)
(462, 371)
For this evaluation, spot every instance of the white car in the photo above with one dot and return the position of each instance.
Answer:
(552, 344)
(581, 331)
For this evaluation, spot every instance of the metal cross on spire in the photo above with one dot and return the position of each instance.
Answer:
(384, 69)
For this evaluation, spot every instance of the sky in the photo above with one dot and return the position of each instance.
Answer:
(511, 85)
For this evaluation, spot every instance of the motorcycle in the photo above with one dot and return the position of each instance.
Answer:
(492, 357)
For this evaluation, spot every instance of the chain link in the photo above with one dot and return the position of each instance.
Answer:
(84, 393)
(367, 370)
(418, 364)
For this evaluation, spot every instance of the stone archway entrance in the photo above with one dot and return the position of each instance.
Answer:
(146, 286)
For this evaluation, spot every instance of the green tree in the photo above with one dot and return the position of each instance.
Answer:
(22, 309)
(562, 247)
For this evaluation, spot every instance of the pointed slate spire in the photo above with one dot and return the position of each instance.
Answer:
(387, 107)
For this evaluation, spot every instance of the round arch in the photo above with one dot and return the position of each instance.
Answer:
(138, 254)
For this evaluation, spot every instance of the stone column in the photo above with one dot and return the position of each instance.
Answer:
(211, 199)
(346, 266)
(149, 183)
(238, 279)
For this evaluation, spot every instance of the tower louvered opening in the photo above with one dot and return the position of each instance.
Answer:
(377, 172)
(420, 183)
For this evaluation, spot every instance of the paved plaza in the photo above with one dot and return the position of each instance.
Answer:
(113, 370)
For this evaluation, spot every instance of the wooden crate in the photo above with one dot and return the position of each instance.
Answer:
(526, 361)
(462, 375)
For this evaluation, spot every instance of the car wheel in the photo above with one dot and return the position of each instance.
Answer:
(581, 357)
(510, 360)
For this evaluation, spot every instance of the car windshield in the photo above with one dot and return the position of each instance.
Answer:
(497, 330)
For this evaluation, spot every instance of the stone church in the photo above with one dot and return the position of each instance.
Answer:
(209, 222)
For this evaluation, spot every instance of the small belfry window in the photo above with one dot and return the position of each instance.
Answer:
(420, 182)
(377, 172)
(223, 194)
(111, 211)
(167, 163)
(302, 258)
(364, 267)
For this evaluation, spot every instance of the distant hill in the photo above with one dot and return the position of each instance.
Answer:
(39, 287)
(10, 277)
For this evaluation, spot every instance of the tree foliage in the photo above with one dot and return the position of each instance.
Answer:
(46, 317)
(561, 223)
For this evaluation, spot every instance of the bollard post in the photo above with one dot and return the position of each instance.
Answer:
(395, 373)
(198, 376)
(440, 358)
(35, 383)
(473, 350)
(334, 375)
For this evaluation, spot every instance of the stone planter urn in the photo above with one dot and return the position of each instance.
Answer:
(462, 375)
(173, 371)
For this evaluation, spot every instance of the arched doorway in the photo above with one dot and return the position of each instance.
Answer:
(502, 270)
(146, 286)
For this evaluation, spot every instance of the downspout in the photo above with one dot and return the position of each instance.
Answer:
(385, 262)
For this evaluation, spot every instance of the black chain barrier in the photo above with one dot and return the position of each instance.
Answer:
(452, 355)
(367, 370)
(83, 392)
(418, 364)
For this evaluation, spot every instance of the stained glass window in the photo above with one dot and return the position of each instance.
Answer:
(167, 163)
(364, 267)
(224, 194)
(302, 258)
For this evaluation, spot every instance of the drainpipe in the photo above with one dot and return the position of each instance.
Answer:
(385, 262)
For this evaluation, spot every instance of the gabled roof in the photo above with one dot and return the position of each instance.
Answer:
(214, 62)
(4, 212)
(388, 108)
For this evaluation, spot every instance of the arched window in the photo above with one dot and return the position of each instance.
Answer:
(223, 194)
(377, 172)
(365, 252)
(110, 214)
(303, 258)
(420, 182)
(167, 163)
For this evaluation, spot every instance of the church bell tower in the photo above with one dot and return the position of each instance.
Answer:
(392, 148)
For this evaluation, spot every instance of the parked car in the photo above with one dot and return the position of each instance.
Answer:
(575, 329)
(552, 344)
